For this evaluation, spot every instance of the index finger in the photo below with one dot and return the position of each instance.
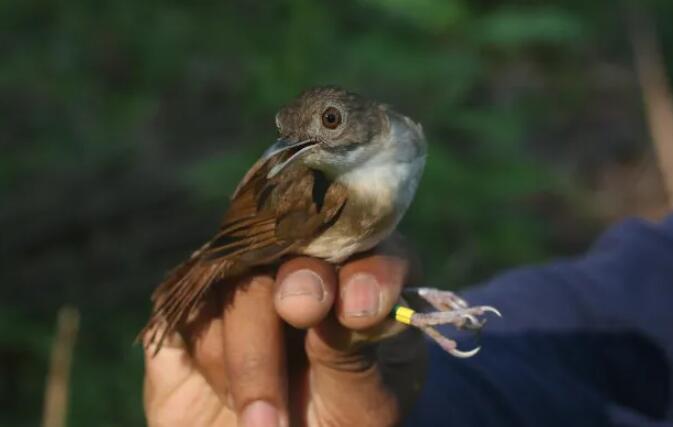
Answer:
(305, 289)
(369, 288)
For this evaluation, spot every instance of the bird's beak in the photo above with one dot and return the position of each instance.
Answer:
(293, 150)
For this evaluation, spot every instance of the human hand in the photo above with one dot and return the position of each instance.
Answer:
(239, 363)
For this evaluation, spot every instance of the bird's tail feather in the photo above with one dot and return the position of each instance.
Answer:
(175, 299)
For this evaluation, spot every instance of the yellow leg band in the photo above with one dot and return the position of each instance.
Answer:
(403, 314)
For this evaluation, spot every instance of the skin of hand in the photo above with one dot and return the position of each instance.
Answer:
(241, 363)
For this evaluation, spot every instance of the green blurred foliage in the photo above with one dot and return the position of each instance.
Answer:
(124, 126)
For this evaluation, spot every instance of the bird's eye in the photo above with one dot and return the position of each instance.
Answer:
(331, 118)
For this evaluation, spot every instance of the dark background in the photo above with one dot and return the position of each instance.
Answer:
(125, 125)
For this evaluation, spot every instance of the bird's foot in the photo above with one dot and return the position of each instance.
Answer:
(451, 310)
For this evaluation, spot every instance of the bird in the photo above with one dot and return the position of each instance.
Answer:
(336, 182)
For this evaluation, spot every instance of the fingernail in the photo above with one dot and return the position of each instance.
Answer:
(260, 414)
(361, 296)
(303, 283)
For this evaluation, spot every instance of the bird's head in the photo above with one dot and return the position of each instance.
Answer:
(333, 130)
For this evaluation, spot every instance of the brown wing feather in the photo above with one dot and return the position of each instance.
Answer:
(266, 219)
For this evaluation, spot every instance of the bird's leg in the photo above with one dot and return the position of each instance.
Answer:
(440, 300)
(451, 310)
(463, 318)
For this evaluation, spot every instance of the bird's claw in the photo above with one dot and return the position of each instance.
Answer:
(451, 310)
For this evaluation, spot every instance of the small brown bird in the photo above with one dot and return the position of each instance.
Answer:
(336, 182)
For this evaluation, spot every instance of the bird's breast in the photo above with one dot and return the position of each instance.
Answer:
(356, 230)
(378, 196)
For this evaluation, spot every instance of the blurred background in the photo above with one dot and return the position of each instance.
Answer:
(125, 126)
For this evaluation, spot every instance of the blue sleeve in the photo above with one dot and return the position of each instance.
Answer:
(583, 342)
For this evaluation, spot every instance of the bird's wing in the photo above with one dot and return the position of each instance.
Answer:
(266, 219)
(268, 216)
